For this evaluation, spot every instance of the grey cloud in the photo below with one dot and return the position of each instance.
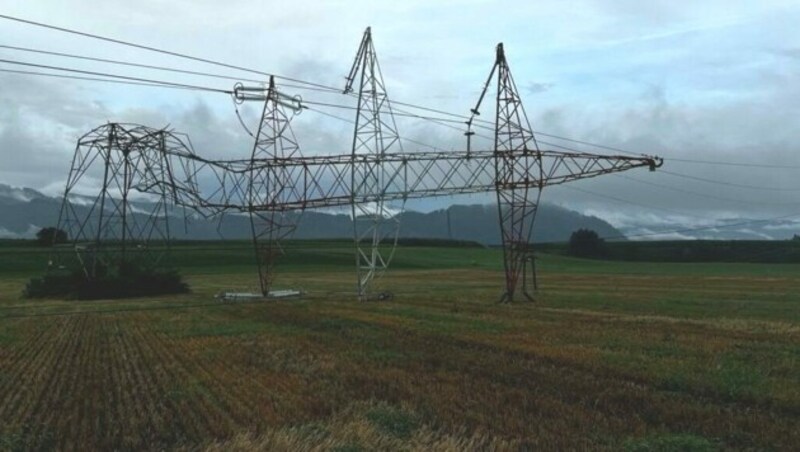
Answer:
(650, 11)
(793, 53)
(734, 131)
(39, 123)
(681, 113)
(538, 87)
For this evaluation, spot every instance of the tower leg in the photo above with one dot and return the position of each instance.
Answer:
(262, 230)
(516, 214)
(528, 263)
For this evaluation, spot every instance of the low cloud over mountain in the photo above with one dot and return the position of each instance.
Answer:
(24, 211)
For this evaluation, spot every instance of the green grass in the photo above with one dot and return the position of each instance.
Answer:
(393, 421)
(670, 443)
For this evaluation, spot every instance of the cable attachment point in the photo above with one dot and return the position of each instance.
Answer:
(238, 98)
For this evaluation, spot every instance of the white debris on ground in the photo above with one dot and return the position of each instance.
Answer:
(250, 296)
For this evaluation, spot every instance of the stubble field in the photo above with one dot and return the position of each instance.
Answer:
(635, 356)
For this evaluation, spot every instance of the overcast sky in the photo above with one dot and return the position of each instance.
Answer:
(711, 80)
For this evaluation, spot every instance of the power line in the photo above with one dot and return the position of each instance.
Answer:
(705, 195)
(350, 121)
(329, 90)
(567, 148)
(127, 43)
(400, 113)
(717, 226)
(127, 63)
(181, 71)
(488, 125)
(166, 68)
(92, 79)
(308, 84)
(120, 77)
(161, 83)
(572, 140)
(746, 165)
(728, 184)
(241, 68)
(680, 230)
(165, 84)
(611, 148)
(316, 86)
(670, 159)
(625, 201)
(155, 49)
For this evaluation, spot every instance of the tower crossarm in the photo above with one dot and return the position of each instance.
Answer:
(324, 181)
(560, 167)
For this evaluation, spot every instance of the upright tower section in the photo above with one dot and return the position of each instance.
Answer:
(517, 160)
(376, 224)
(270, 186)
(519, 176)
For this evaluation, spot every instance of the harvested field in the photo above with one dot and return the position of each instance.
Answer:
(613, 355)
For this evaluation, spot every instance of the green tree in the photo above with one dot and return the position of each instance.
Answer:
(51, 236)
(586, 243)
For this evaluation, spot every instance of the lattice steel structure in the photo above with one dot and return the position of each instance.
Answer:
(515, 168)
(141, 172)
(277, 179)
(375, 133)
(270, 186)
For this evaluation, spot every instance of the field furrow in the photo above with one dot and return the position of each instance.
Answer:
(37, 380)
(182, 391)
(70, 387)
(611, 356)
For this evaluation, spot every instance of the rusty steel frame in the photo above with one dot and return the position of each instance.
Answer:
(109, 226)
(274, 139)
(277, 179)
(324, 181)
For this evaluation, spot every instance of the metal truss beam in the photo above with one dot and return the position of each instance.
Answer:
(323, 181)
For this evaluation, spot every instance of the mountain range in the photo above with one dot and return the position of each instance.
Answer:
(23, 211)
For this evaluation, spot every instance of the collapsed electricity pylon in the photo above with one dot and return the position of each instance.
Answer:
(141, 172)
(371, 176)
(277, 180)
(374, 134)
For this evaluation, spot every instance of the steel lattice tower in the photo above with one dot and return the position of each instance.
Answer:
(133, 163)
(374, 134)
(517, 157)
(270, 186)
(276, 180)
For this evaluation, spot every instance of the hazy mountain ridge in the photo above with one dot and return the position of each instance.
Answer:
(23, 211)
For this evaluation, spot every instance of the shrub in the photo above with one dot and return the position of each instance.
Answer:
(51, 236)
(123, 280)
(586, 243)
